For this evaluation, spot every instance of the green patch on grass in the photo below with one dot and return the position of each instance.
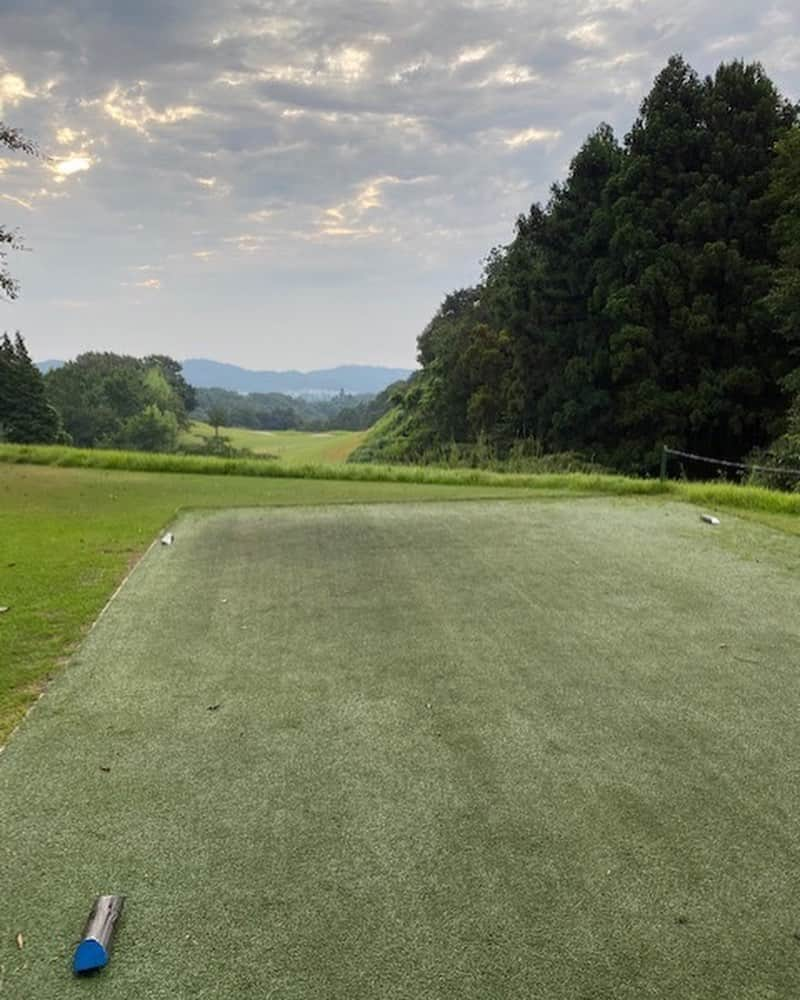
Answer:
(540, 751)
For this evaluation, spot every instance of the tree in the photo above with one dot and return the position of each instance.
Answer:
(217, 418)
(98, 394)
(784, 298)
(173, 373)
(12, 139)
(695, 361)
(654, 299)
(25, 415)
(151, 430)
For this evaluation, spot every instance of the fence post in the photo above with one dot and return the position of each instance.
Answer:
(663, 473)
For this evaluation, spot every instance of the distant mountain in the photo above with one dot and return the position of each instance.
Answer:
(46, 366)
(355, 379)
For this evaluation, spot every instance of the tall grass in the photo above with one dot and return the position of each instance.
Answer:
(714, 494)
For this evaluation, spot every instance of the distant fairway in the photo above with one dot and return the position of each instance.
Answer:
(295, 447)
(459, 750)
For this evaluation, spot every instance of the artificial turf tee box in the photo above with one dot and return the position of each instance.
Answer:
(541, 750)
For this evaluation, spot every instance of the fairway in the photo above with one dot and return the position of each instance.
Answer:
(444, 750)
(292, 447)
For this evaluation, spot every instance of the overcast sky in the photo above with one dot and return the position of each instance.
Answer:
(298, 184)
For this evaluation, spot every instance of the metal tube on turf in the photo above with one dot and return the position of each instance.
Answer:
(93, 950)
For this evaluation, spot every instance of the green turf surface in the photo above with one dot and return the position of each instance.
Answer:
(292, 447)
(461, 751)
(68, 536)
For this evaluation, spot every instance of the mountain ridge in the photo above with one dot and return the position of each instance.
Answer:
(204, 373)
(207, 374)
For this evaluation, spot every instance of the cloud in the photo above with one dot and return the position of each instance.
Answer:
(12, 90)
(131, 109)
(531, 135)
(316, 150)
(72, 164)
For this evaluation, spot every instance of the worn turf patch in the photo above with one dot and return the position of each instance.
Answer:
(443, 750)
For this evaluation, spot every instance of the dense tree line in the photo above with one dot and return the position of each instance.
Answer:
(654, 299)
(274, 411)
(114, 400)
(26, 417)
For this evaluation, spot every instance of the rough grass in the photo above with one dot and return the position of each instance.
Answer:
(716, 494)
(540, 751)
(290, 447)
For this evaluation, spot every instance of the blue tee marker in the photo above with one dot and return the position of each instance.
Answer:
(93, 951)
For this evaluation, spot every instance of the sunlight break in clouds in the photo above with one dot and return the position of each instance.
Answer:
(68, 165)
(131, 110)
(529, 135)
(12, 90)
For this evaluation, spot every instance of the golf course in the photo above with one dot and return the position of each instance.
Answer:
(353, 739)
(295, 447)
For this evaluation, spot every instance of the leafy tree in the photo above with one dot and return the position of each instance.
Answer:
(152, 429)
(172, 372)
(15, 140)
(99, 394)
(25, 415)
(217, 418)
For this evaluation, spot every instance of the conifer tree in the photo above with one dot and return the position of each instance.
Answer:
(25, 415)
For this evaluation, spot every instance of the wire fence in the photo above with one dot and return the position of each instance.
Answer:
(741, 466)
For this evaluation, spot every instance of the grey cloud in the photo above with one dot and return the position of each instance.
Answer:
(287, 113)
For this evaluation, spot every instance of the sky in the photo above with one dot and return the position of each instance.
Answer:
(299, 184)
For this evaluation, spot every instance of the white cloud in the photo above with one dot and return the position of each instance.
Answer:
(349, 63)
(66, 136)
(729, 42)
(74, 163)
(476, 54)
(510, 75)
(17, 201)
(131, 109)
(13, 89)
(590, 35)
(531, 135)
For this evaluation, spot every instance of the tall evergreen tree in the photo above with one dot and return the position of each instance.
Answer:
(25, 415)
(784, 298)
(654, 299)
(693, 359)
(573, 408)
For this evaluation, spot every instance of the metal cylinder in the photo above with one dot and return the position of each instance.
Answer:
(93, 951)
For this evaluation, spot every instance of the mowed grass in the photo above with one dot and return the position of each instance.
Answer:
(543, 751)
(68, 537)
(291, 447)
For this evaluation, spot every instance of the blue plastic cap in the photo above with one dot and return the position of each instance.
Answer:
(89, 955)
